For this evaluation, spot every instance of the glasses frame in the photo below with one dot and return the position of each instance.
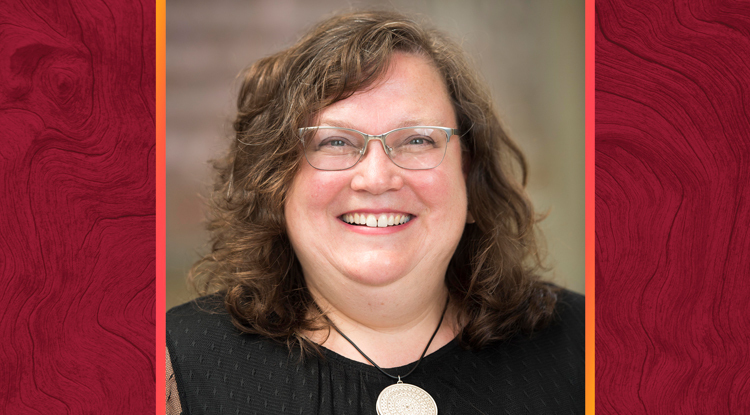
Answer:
(449, 132)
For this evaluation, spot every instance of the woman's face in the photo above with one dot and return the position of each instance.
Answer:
(329, 249)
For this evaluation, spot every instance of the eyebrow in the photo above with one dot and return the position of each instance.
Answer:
(331, 122)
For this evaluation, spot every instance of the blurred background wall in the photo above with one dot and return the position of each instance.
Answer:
(531, 53)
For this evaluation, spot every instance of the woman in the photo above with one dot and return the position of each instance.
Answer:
(373, 251)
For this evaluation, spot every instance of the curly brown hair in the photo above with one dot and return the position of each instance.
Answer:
(492, 278)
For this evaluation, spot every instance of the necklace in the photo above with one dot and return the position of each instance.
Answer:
(402, 398)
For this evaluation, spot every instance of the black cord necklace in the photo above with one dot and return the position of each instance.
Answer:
(402, 398)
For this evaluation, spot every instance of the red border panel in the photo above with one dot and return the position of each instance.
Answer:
(672, 207)
(77, 246)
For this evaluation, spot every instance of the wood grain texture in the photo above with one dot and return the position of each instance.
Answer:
(77, 242)
(672, 207)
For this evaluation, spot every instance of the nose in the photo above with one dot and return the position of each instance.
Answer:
(375, 172)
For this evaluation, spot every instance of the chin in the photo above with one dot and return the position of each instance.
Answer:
(377, 275)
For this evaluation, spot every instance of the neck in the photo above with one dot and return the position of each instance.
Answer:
(389, 326)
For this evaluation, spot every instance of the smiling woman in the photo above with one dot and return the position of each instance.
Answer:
(367, 216)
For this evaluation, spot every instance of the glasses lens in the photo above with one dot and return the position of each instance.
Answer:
(417, 148)
(414, 148)
(332, 148)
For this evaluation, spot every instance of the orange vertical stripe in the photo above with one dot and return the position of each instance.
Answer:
(160, 204)
(590, 197)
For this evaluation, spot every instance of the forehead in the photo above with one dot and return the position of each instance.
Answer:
(410, 92)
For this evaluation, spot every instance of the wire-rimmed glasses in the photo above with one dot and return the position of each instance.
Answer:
(412, 148)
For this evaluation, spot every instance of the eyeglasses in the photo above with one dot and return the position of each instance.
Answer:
(412, 148)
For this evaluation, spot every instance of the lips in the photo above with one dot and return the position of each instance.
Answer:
(380, 220)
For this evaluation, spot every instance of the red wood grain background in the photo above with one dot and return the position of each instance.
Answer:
(672, 207)
(77, 243)
(77, 208)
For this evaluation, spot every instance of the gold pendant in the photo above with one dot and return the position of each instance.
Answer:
(405, 399)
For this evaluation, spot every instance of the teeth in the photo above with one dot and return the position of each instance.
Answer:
(381, 221)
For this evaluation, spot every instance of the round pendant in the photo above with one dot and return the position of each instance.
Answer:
(405, 399)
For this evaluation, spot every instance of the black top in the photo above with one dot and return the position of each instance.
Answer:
(220, 370)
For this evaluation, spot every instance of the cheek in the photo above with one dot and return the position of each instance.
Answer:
(312, 193)
(444, 192)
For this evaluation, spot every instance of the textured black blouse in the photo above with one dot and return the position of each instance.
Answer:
(220, 370)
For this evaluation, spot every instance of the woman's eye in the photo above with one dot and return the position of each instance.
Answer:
(334, 143)
(419, 141)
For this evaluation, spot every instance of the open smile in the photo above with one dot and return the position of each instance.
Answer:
(381, 220)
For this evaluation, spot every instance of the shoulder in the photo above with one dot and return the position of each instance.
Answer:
(571, 308)
(569, 325)
(569, 319)
(210, 357)
(202, 331)
(564, 339)
(545, 369)
(199, 323)
(196, 311)
(211, 305)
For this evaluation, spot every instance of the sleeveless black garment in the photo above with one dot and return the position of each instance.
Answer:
(220, 370)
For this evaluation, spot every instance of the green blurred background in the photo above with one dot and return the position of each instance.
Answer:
(531, 53)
